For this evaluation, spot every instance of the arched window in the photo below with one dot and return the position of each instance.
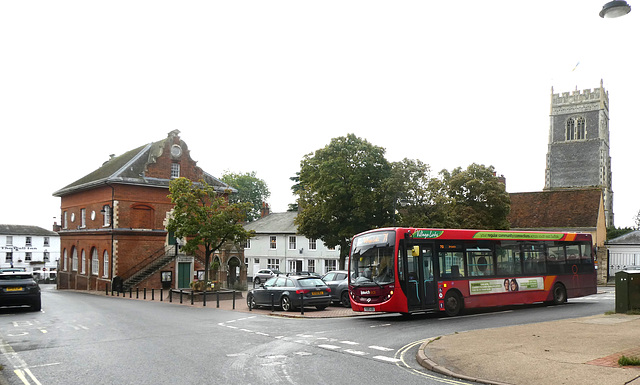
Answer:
(105, 257)
(576, 128)
(580, 128)
(95, 263)
(83, 262)
(570, 129)
(65, 262)
(74, 259)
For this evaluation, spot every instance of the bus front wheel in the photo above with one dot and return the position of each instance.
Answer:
(453, 303)
(559, 294)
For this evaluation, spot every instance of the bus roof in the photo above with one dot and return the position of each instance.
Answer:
(467, 234)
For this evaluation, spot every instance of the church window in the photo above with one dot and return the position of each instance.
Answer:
(580, 128)
(576, 128)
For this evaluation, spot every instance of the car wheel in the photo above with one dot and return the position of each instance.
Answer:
(285, 304)
(251, 301)
(256, 280)
(344, 299)
(453, 303)
(321, 307)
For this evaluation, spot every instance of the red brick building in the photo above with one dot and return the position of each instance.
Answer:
(113, 222)
(570, 209)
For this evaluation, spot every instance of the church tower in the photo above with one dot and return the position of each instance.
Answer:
(578, 153)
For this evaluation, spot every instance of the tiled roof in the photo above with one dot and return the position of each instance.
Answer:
(129, 168)
(573, 208)
(632, 238)
(25, 230)
(275, 223)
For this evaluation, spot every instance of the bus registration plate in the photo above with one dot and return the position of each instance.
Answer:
(369, 308)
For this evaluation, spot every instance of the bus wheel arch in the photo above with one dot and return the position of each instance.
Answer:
(453, 303)
(559, 294)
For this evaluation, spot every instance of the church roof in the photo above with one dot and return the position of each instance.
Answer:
(275, 223)
(562, 208)
(130, 167)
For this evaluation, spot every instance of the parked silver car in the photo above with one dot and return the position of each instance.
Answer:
(263, 274)
(339, 285)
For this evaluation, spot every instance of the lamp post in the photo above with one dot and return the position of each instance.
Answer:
(615, 9)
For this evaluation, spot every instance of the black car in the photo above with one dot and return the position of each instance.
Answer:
(287, 293)
(19, 288)
(339, 285)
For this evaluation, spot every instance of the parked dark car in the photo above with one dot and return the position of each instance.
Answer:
(287, 292)
(264, 274)
(339, 285)
(19, 288)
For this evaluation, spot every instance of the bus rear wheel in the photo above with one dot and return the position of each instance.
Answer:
(559, 294)
(453, 303)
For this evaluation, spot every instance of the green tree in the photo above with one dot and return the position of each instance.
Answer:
(343, 190)
(203, 217)
(476, 198)
(251, 189)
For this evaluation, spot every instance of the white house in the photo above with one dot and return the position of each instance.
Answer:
(278, 245)
(623, 251)
(30, 247)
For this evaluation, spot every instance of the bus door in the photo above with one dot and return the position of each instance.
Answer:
(420, 284)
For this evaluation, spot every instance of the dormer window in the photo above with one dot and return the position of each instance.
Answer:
(175, 170)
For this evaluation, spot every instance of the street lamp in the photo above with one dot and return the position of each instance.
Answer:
(615, 9)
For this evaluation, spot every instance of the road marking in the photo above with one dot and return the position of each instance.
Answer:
(356, 352)
(387, 359)
(379, 326)
(21, 367)
(381, 348)
(330, 347)
(262, 334)
(349, 343)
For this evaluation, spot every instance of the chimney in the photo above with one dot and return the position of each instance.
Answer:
(264, 211)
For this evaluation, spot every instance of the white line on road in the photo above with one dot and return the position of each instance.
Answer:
(381, 348)
(330, 347)
(387, 359)
(356, 352)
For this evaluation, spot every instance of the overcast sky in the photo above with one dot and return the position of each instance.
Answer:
(256, 85)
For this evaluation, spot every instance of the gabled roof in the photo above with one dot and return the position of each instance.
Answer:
(570, 208)
(632, 238)
(275, 223)
(25, 230)
(130, 167)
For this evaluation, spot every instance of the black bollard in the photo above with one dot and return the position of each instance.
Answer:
(144, 293)
(273, 306)
(181, 296)
(192, 297)
(234, 300)
(137, 293)
(204, 298)
(302, 303)
(217, 299)
(153, 294)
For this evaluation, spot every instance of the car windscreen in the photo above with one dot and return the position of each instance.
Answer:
(14, 277)
(311, 282)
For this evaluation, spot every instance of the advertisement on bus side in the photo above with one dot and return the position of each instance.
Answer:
(506, 285)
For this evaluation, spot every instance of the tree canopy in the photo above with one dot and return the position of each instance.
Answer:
(349, 187)
(342, 190)
(251, 189)
(203, 217)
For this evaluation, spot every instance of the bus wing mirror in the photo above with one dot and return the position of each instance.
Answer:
(415, 251)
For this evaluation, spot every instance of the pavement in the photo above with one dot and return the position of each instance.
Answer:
(570, 351)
